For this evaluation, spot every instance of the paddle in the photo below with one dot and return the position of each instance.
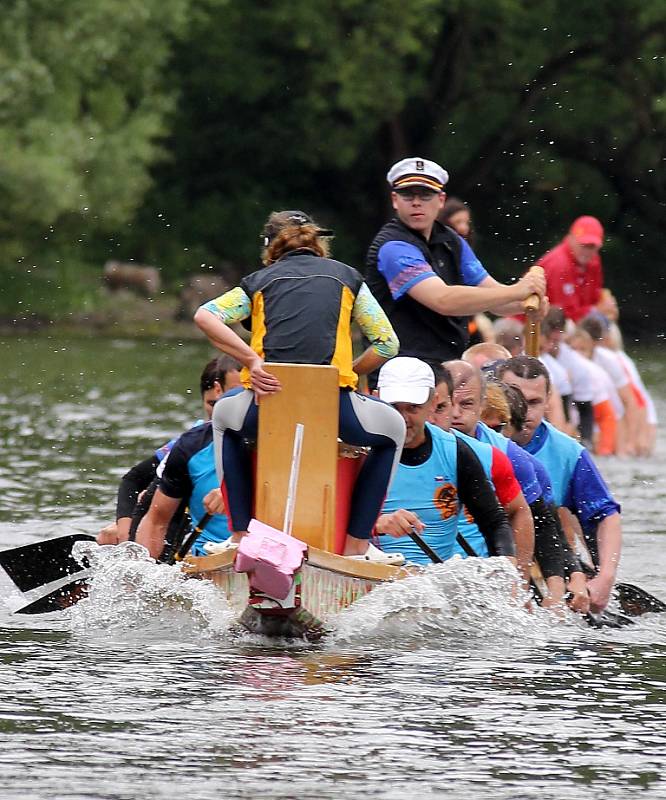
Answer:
(607, 619)
(58, 599)
(33, 565)
(634, 601)
(24, 568)
(186, 546)
(432, 555)
(532, 324)
(418, 540)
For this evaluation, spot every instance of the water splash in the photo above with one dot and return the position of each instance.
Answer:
(471, 597)
(462, 599)
(129, 589)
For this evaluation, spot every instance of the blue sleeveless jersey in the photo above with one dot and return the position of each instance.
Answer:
(430, 490)
(559, 454)
(466, 525)
(190, 472)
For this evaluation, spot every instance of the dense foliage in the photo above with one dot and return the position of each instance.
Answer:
(165, 131)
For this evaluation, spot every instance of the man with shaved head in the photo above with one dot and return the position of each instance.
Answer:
(468, 392)
(478, 355)
(577, 483)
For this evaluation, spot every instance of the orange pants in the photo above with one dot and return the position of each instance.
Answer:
(606, 421)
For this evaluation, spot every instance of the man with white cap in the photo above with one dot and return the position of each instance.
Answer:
(438, 472)
(426, 277)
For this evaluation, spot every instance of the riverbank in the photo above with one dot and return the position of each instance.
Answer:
(120, 314)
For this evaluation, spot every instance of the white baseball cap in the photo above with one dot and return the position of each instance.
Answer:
(405, 380)
(417, 172)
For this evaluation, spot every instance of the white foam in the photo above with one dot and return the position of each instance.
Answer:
(129, 589)
(471, 597)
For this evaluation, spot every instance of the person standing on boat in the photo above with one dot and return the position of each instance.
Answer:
(301, 307)
(577, 484)
(438, 474)
(426, 276)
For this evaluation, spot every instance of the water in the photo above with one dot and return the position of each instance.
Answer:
(418, 691)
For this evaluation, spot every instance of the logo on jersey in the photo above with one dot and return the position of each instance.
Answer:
(445, 500)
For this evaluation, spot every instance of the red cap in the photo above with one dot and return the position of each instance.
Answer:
(588, 230)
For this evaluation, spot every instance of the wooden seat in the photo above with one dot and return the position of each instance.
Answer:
(310, 395)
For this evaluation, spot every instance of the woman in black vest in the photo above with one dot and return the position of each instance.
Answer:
(301, 305)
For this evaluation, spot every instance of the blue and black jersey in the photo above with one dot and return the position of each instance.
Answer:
(190, 473)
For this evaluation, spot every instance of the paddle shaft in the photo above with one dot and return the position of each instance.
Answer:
(432, 555)
(532, 324)
(191, 539)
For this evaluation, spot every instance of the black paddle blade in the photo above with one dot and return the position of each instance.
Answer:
(635, 601)
(59, 599)
(40, 563)
(607, 619)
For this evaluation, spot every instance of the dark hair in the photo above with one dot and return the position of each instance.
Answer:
(216, 370)
(594, 326)
(442, 375)
(553, 321)
(452, 206)
(517, 405)
(286, 231)
(525, 367)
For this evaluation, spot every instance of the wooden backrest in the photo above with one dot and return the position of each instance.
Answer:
(310, 395)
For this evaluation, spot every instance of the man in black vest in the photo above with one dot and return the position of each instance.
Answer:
(426, 277)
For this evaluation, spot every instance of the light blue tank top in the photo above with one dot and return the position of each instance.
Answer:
(430, 490)
(559, 454)
(466, 525)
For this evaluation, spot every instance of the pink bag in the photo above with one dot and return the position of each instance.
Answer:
(270, 557)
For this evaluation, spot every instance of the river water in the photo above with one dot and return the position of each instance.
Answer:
(432, 687)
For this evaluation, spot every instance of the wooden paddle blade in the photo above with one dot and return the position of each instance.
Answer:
(58, 600)
(635, 601)
(37, 564)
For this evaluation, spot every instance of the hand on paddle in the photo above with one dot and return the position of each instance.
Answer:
(599, 588)
(399, 523)
(579, 597)
(213, 502)
(533, 282)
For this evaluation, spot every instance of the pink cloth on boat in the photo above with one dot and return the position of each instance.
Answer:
(270, 557)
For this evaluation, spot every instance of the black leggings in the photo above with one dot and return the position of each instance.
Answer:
(586, 424)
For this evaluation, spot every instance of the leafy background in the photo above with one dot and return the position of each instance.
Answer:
(165, 131)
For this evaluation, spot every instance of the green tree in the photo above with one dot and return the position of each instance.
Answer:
(539, 111)
(82, 107)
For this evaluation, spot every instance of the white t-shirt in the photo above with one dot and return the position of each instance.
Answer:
(579, 373)
(604, 390)
(558, 374)
(608, 360)
(636, 379)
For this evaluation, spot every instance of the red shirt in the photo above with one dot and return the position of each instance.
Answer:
(574, 288)
(503, 477)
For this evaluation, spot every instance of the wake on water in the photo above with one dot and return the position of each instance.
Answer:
(461, 598)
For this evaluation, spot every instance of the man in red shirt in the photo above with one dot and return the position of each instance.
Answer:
(574, 275)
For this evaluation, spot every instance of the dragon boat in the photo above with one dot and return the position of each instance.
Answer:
(288, 577)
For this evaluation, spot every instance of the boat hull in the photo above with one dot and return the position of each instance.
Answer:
(328, 584)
